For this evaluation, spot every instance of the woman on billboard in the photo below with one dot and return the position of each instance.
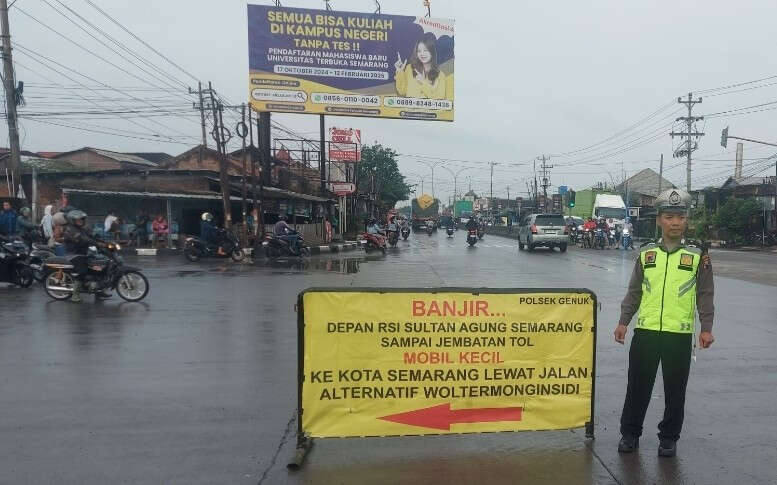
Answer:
(421, 77)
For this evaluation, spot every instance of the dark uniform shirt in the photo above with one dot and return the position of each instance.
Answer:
(705, 292)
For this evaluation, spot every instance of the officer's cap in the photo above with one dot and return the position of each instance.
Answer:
(673, 200)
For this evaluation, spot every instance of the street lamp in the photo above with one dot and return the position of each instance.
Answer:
(455, 176)
(431, 167)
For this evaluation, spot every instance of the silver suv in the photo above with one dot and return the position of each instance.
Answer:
(549, 230)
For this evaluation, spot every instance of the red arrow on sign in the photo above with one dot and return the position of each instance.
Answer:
(442, 416)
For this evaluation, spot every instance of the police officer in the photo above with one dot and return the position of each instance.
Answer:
(671, 281)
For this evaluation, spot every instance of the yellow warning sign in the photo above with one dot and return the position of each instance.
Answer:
(412, 362)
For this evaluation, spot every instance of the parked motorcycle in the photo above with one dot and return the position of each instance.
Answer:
(374, 242)
(472, 237)
(13, 263)
(275, 246)
(102, 269)
(196, 248)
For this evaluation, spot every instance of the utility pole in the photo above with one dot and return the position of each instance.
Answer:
(218, 136)
(491, 198)
(660, 174)
(201, 108)
(254, 211)
(322, 148)
(690, 145)
(9, 83)
(545, 178)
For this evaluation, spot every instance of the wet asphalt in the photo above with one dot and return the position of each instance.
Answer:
(197, 383)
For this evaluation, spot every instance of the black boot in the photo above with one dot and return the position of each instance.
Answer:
(628, 444)
(103, 295)
(667, 448)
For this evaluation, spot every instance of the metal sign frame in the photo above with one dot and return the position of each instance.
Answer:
(305, 442)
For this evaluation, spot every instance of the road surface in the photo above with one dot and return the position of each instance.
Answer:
(197, 384)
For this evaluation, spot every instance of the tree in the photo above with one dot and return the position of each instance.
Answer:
(378, 174)
(734, 217)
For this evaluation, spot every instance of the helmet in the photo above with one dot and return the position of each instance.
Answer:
(75, 215)
(282, 217)
(207, 216)
(25, 211)
(673, 200)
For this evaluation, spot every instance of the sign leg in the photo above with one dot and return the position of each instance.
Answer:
(303, 446)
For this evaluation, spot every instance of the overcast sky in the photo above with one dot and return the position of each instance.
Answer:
(532, 78)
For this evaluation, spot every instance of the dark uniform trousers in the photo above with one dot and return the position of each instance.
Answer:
(648, 348)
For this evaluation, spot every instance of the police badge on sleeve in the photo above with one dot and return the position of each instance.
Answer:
(650, 259)
(686, 261)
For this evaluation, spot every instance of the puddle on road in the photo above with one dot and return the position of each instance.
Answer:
(331, 265)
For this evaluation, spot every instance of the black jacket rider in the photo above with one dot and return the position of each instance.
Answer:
(78, 240)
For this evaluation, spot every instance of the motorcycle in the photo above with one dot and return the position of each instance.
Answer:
(573, 234)
(374, 241)
(275, 246)
(393, 235)
(586, 238)
(472, 237)
(599, 238)
(196, 248)
(101, 269)
(36, 258)
(611, 238)
(429, 228)
(449, 230)
(13, 264)
(481, 232)
(626, 238)
(405, 232)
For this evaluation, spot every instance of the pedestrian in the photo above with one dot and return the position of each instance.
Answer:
(7, 220)
(670, 283)
(160, 228)
(47, 225)
(141, 230)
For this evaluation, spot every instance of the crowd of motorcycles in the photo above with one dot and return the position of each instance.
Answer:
(381, 238)
(600, 235)
(27, 260)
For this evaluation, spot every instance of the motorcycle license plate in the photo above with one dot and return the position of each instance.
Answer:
(548, 231)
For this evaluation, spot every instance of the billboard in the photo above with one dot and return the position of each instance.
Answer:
(350, 64)
(389, 362)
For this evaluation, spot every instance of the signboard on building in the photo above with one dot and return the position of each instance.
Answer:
(378, 362)
(344, 144)
(342, 188)
(350, 63)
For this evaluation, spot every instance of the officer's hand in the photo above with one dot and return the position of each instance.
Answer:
(620, 333)
(705, 339)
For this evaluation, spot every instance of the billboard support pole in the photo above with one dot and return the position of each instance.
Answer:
(322, 153)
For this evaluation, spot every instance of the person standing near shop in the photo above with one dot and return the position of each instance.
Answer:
(670, 283)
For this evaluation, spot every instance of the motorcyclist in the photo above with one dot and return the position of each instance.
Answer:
(472, 224)
(78, 240)
(285, 232)
(210, 233)
(24, 225)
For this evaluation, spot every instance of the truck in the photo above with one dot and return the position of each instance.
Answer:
(611, 207)
(424, 208)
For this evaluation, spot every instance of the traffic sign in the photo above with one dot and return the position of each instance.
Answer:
(385, 362)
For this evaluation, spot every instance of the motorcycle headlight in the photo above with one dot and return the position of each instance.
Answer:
(117, 247)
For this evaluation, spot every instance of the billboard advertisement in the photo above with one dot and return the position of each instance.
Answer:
(350, 64)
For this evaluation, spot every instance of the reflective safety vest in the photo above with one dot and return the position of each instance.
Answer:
(668, 288)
